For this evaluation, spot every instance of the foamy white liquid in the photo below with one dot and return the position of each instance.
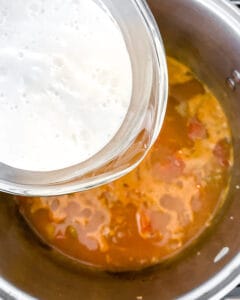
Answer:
(65, 82)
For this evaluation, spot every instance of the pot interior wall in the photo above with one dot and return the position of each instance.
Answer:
(202, 40)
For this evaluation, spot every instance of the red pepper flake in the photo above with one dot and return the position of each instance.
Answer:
(196, 129)
(144, 223)
(222, 152)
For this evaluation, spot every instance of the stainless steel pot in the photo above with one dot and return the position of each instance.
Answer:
(205, 34)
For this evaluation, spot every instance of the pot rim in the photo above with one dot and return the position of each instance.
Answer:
(229, 277)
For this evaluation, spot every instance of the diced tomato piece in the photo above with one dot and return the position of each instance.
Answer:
(222, 152)
(170, 169)
(196, 129)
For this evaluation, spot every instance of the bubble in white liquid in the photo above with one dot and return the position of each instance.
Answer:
(20, 54)
(65, 82)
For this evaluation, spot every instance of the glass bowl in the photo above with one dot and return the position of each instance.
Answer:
(140, 127)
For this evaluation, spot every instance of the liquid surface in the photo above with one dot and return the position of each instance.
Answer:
(158, 209)
(65, 82)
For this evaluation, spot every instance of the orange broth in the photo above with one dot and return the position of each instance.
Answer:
(164, 204)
